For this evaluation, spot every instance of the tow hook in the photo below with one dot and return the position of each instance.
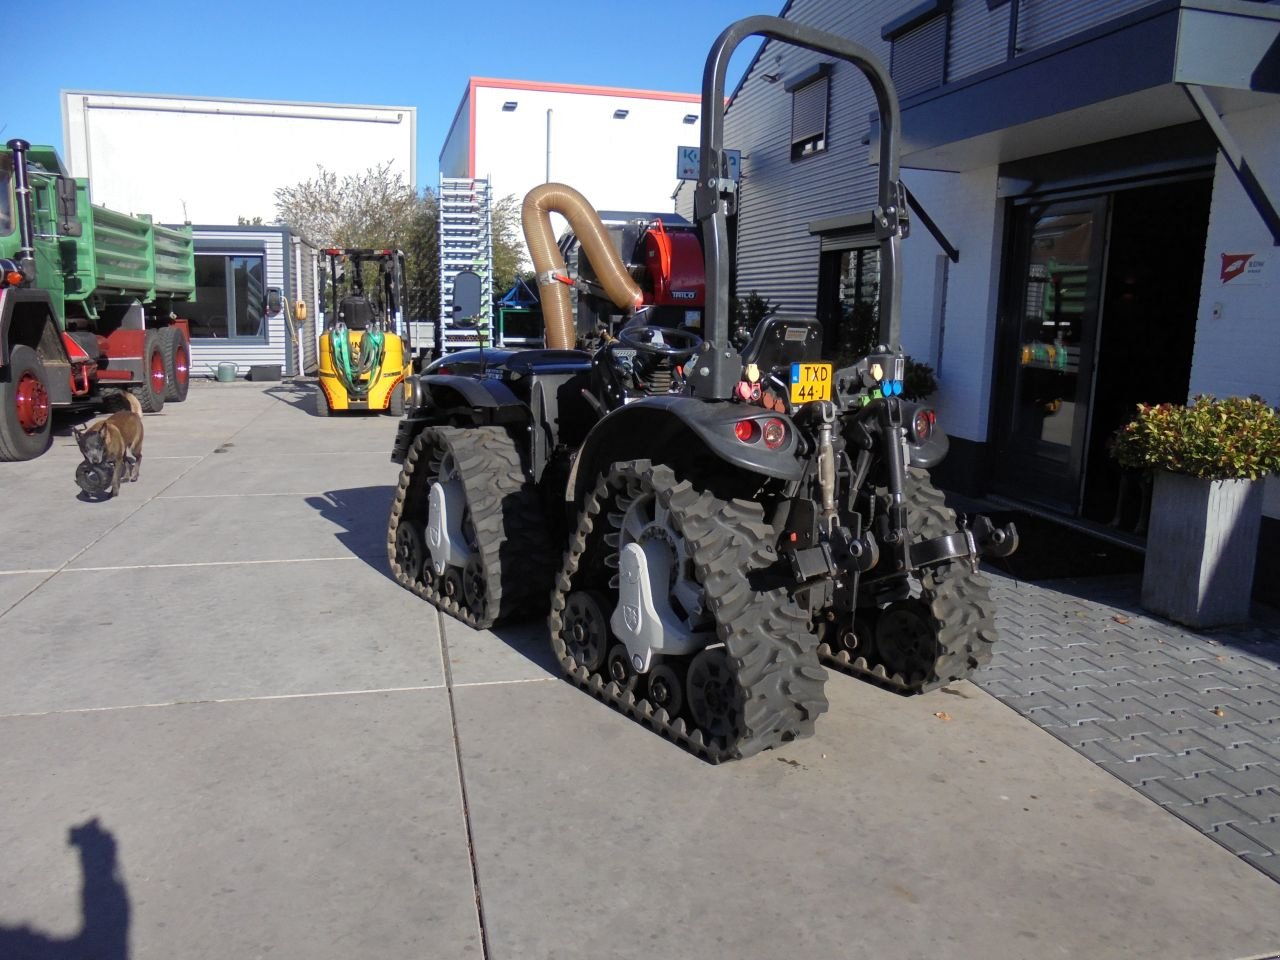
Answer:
(992, 541)
(971, 542)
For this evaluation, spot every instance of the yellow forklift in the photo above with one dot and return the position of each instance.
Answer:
(364, 349)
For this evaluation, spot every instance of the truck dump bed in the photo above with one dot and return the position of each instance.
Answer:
(132, 257)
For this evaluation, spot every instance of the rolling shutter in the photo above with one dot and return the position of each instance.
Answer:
(809, 111)
(919, 58)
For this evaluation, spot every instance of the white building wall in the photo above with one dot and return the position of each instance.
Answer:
(953, 328)
(198, 160)
(617, 164)
(1237, 348)
(455, 155)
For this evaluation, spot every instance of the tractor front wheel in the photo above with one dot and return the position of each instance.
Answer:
(464, 494)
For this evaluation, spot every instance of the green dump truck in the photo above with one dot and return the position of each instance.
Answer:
(89, 301)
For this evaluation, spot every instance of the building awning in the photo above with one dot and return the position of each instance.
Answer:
(1123, 77)
(1169, 63)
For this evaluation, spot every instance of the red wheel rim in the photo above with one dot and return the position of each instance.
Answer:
(181, 365)
(157, 372)
(32, 402)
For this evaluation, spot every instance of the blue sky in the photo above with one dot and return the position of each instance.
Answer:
(394, 52)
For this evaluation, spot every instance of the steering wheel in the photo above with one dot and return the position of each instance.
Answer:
(669, 342)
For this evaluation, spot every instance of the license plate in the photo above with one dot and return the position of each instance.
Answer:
(810, 381)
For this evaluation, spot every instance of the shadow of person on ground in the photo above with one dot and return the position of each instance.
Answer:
(104, 908)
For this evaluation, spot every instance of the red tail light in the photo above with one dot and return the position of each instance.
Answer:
(747, 431)
(922, 424)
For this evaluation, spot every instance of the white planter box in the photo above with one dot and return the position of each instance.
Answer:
(1201, 548)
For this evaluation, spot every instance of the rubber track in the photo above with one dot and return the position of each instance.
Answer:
(765, 634)
(505, 512)
(959, 602)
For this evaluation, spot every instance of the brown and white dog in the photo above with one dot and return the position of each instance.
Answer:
(115, 440)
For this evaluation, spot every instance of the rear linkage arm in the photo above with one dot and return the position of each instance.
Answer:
(840, 549)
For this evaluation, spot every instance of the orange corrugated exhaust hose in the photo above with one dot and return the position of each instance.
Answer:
(553, 280)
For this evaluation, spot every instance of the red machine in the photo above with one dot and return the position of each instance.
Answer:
(663, 254)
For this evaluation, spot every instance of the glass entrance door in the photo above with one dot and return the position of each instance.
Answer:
(1049, 329)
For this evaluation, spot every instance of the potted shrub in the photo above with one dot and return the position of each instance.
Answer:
(1208, 459)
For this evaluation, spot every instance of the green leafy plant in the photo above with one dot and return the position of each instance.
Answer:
(918, 380)
(745, 314)
(1233, 439)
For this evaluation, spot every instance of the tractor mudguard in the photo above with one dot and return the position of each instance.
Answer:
(653, 428)
(445, 391)
(931, 452)
(445, 398)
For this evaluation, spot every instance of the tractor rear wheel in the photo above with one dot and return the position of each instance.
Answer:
(26, 421)
(942, 629)
(151, 392)
(177, 364)
(955, 600)
(464, 494)
(756, 682)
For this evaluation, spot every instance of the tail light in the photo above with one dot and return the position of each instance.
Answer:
(775, 433)
(922, 424)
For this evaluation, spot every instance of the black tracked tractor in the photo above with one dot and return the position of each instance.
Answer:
(711, 525)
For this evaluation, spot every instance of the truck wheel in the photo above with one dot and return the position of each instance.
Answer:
(463, 492)
(26, 422)
(322, 403)
(177, 364)
(757, 682)
(151, 392)
(945, 628)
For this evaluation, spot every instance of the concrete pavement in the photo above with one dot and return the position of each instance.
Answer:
(288, 755)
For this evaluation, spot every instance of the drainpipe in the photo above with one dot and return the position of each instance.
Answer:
(298, 333)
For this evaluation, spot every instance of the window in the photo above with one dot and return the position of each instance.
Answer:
(918, 52)
(809, 95)
(230, 295)
(849, 295)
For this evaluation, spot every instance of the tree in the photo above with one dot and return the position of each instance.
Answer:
(508, 244)
(371, 209)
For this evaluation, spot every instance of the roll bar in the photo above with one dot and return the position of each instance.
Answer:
(717, 369)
